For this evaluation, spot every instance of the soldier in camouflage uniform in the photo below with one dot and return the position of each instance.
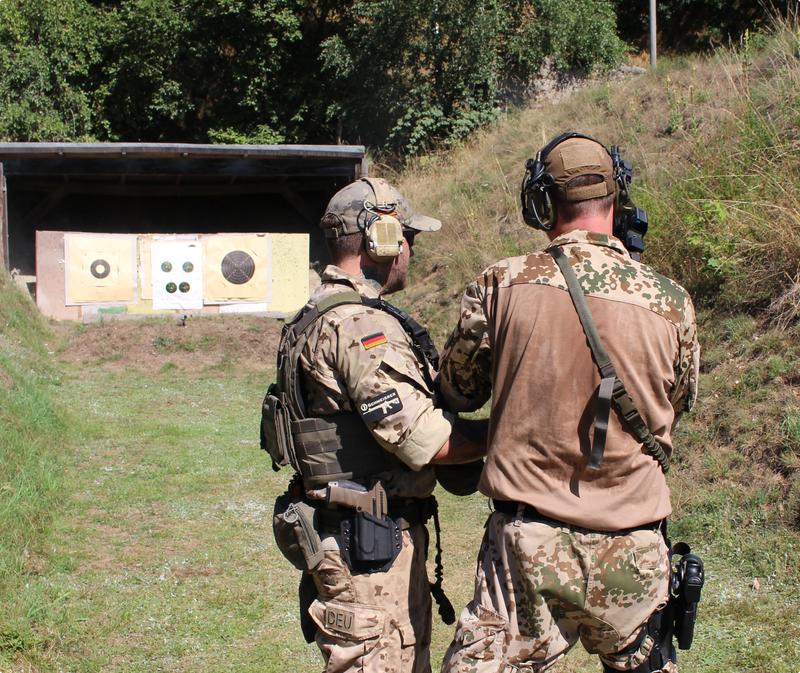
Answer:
(569, 553)
(359, 361)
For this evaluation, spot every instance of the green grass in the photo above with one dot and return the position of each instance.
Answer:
(161, 556)
(31, 430)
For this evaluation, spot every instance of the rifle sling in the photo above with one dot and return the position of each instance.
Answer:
(612, 388)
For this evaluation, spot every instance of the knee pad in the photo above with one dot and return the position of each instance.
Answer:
(651, 652)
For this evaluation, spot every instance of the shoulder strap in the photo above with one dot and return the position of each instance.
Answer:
(611, 386)
(293, 339)
(420, 337)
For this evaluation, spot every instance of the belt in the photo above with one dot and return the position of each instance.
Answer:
(530, 513)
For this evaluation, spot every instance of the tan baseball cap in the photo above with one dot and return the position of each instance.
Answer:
(580, 156)
(352, 207)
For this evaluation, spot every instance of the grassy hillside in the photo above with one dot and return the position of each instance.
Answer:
(31, 433)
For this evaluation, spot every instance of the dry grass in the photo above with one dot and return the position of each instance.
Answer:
(716, 148)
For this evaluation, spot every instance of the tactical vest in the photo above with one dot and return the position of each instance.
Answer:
(340, 446)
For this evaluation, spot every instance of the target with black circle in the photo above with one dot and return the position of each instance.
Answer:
(238, 267)
(100, 268)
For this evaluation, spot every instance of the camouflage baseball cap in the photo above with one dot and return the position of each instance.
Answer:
(351, 208)
(580, 156)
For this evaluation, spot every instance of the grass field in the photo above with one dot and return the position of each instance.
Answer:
(161, 555)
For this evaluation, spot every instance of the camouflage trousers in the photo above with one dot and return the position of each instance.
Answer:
(379, 622)
(540, 587)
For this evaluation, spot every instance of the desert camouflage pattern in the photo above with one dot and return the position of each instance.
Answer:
(340, 372)
(541, 587)
(348, 212)
(466, 361)
(374, 623)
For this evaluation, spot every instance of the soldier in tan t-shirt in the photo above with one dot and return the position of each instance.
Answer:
(574, 548)
(364, 418)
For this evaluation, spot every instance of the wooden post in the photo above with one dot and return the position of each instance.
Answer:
(653, 55)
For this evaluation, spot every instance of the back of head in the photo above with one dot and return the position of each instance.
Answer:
(572, 176)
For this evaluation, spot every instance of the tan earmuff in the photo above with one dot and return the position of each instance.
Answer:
(383, 233)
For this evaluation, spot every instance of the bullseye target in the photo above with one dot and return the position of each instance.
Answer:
(176, 273)
(237, 268)
(99, 268)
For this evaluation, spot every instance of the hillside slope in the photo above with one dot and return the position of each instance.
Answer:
(31, 431)
(716, 147)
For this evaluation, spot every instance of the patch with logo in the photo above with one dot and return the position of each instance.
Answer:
(379, 407)
(377, 339)
(337, 619)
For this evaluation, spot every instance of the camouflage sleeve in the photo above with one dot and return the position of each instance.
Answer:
(465, 374)
(687, 366)
(388, 387)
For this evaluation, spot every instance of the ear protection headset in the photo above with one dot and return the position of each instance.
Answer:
(383, 232)
(538, 209)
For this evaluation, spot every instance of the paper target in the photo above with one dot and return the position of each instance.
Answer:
(177, 280)
(237, 268)
(99, 268)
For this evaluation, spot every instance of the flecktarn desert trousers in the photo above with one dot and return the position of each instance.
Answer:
(540, 586)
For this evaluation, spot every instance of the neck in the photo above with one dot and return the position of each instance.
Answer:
(597, 225)
(364, 266)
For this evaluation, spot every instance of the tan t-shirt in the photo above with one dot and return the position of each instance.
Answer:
(357, 356)
(519, 339)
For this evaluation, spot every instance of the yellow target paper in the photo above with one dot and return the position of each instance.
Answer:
(289, 272)
(99, 268)
(237, 268)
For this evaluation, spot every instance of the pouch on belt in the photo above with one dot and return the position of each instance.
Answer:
(295, 533)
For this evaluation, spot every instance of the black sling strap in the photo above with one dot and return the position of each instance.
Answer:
(612, 389)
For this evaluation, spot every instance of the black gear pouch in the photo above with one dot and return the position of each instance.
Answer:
(370, 544)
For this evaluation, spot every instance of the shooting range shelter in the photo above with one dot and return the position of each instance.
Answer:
(53, 193)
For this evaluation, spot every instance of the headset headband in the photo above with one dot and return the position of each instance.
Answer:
(555, 142)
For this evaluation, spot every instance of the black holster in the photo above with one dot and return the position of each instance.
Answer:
(370, 544)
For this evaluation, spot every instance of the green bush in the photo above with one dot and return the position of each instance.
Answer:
(48, 51)
(400, 75)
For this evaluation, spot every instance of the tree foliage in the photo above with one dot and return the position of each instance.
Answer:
(397, 74)
(48, 50)
(687, 25)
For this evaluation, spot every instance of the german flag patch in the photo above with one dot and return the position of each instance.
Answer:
(377, 339)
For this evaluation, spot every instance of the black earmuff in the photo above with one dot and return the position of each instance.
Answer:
(538, 208)
(383, 232)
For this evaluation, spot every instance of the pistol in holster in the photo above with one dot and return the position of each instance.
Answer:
(371, 540)
(686, 586)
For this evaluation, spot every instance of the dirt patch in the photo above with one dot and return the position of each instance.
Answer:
(153, 345)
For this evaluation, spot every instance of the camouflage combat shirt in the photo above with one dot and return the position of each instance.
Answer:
(519, 340)
(355, 355)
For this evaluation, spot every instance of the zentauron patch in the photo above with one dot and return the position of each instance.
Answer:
(379, 407)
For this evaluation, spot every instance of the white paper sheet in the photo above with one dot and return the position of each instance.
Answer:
(177, 273)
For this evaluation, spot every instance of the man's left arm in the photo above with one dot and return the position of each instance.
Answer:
(687, 367)
(390, 390)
